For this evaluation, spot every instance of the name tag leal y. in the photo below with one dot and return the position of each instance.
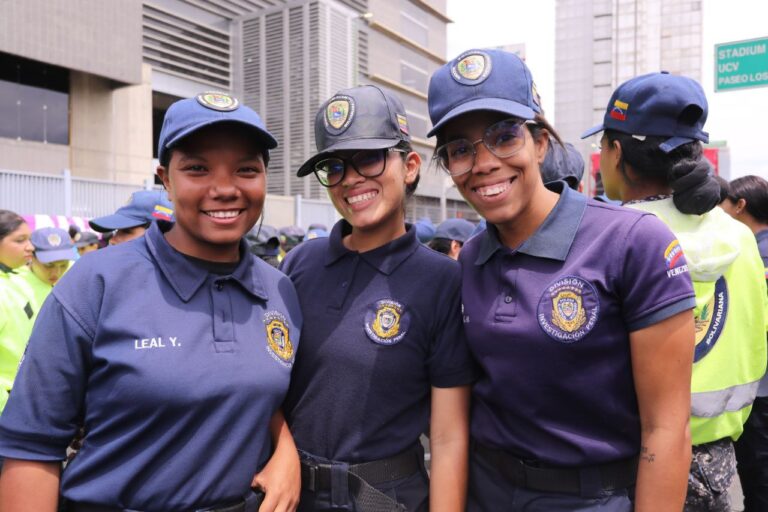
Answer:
(159, 342)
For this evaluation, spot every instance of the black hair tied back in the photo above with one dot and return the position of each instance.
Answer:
(695, 190)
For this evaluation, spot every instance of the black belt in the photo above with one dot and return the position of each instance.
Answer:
(317, 477)
(583, 481)
(247, 505)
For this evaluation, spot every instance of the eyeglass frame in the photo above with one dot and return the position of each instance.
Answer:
(349, 162)
(439, 161)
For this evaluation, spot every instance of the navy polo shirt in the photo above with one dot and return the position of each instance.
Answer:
(549, 324)
(762, 245)
(174, 373)
(380, 329)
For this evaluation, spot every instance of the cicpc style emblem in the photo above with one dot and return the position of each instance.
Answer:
(471, 68)
(220, 101)
(386, 322)
(279, 343)
(568, 309)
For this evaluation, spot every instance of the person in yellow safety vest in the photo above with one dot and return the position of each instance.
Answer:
(746, 200)
(16, 304)
(53, 254)
(652, 159)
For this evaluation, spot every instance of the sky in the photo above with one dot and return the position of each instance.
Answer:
(739, 117)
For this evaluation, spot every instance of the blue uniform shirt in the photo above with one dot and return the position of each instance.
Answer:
(549, 324)
(380, 329)
(173, 371)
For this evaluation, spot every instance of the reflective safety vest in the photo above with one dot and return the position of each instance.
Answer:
(731, 317)
(17, 312)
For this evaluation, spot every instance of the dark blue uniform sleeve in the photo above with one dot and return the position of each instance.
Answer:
(450, 362)
(654, 275)
(45, 406)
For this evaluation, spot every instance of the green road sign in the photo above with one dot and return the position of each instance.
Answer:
(741, 64)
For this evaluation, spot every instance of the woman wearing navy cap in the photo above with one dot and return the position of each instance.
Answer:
(383, 355)
(583, 336)
(652, 159)
(16, 302)
(173, 350)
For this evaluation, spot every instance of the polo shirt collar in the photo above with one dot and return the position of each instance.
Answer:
(186, 277)
(385, 258)
(553, 239)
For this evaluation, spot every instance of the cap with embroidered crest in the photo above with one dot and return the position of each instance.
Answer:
(186, 116)
(144, 206)
(359, 118)
(52, 244)
(659, 105)
(482, 80)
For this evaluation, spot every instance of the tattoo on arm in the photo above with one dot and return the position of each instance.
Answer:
(646, 455)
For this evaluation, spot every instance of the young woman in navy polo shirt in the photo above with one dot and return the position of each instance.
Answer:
(652, 159)
(383, 354)
(583, 330)
(173, 350)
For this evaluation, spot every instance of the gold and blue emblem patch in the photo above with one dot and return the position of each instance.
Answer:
(339, 113)
(220, 101)
(279, 342)
(568, 309)
(386, 322)
(710, 320)
(471, 68)
(54, 240)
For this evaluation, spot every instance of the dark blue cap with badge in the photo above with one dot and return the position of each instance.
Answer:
(263, 240)
(189, 115)
(455, 229)
(143, 207)
(52, 244)
(660, 105)
(482, 80)
(364, 117)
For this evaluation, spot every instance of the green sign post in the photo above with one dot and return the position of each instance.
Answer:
(741, 64)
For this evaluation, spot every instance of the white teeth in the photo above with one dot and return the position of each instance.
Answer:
(361, 197)
(493, 189)
(227, 214)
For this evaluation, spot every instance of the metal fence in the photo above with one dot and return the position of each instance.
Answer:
(49, 194)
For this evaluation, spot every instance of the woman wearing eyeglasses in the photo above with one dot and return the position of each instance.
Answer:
(384, 357)
(579, 314)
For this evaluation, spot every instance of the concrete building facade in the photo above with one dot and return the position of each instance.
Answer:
(602, 43)
(84, 84)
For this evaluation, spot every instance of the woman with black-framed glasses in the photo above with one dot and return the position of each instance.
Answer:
(383, 352)
(578, 313)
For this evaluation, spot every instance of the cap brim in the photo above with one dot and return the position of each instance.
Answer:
(270, 141)
(115, 221)
(67, 253)
(674, 143)
(352, 144)
(592, 131)
(493, 104)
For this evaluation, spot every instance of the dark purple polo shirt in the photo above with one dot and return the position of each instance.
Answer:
(549, 324)
(381, 328)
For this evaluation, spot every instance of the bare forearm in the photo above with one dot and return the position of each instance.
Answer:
(28, 485)
(662, 476)
(448, 478)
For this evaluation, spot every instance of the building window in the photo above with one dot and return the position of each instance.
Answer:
(414, 29)
(34, 101)
(413, 77)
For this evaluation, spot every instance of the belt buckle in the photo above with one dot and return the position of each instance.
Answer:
(313, 469)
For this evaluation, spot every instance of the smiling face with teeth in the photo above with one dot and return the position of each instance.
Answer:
(508, 192)
(216, 180)
(375, 206)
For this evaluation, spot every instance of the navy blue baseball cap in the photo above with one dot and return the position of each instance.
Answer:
(364, 117)
(52, 244)
(189, 115)
(264, 240)
(143, 207)
(455, 229)
(482, 80)
(425, 230)
(562, 163)
(660, 105)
